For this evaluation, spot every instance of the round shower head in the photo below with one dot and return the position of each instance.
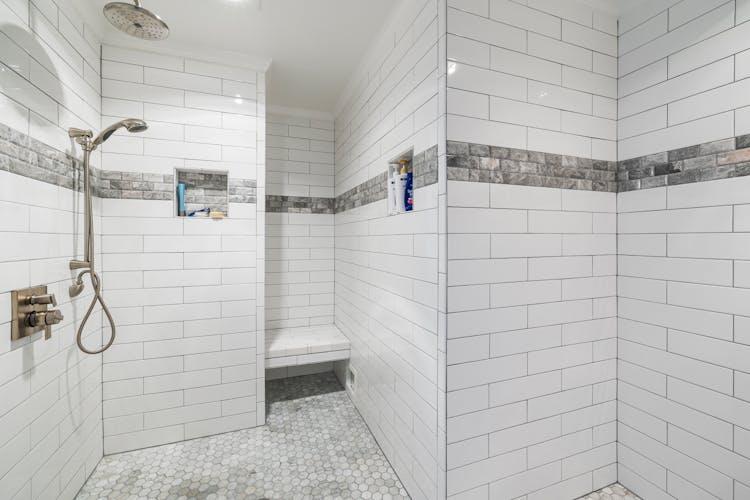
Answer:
(132, 125)
(136, 21)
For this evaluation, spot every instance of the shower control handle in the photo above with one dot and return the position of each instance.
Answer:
(45, 320)
(43, 299)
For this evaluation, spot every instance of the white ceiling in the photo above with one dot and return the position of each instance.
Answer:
(314, 45)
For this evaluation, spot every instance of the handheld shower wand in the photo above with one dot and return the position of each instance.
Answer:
(84, 139)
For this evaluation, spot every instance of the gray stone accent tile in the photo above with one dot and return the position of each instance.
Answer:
(299, 204)
(26, 156)
(498, 165)
(721, 159)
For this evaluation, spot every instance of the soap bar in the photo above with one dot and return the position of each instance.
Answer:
(217, 215)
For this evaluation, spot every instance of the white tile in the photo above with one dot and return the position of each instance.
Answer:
(584, 36)
(486, 30)
(559, 97)
(521, 113)
(715, 22)
(561, 52)
(516, 63)
(468, 51)
(643, 33)
(487, 81)
(705, 78)
(485, 132)
(525, 18)
(725, 42)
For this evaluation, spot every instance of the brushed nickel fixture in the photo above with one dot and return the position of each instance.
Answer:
(136, 21)
(84, 139)
(31, 313)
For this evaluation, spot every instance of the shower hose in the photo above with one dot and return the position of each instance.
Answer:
(89, 259)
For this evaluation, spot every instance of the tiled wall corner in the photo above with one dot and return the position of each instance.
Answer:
(386, 268)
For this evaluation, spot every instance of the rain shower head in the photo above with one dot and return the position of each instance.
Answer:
(132, 125)
(136, 21)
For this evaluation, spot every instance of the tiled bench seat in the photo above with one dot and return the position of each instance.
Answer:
(305, 345)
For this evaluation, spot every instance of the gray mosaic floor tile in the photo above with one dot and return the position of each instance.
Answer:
(614, 492)
(315, 446)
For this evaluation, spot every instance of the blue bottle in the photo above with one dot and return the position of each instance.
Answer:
(409, 194)
(181, 200)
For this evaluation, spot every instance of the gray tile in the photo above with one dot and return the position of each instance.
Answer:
(613, 492)
(315, 445)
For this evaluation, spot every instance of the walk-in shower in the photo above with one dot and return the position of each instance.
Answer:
(84, 138)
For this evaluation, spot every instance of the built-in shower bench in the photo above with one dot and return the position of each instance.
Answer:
(305, 345)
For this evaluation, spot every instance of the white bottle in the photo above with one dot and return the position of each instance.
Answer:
(392, 178)
(401, 188)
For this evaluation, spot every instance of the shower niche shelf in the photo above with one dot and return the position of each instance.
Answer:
(394, 206)
(204, 189)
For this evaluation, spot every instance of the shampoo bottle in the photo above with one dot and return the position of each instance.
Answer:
(401, 187)
(392, 179)
(409, 194)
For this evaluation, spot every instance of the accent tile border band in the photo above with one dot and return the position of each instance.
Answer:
(23, 155)
(709, 161)
(298, 204)
(499, 165)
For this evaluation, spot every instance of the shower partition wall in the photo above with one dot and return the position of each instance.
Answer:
(188, 361)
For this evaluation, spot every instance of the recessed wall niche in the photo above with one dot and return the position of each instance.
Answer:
(204, 189)
(397, 197)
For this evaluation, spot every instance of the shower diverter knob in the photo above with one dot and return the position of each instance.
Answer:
(44, 318)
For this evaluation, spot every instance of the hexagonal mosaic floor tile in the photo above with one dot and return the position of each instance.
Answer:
(315, 446)
(614, 492)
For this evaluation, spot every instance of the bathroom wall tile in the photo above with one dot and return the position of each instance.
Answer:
(547, 302)
(387, 268)
(173, 274)
(48, 385)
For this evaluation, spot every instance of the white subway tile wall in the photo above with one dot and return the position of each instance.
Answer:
(299, 245)
(186, 293)
(531, 276)
(50, 67)
(541, 76)
(683, 384)
(683, 70)
(532, 336)
(386, 268)
(51, 393)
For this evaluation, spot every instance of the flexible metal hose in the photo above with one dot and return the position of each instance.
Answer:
(89, 258)
(96, 284)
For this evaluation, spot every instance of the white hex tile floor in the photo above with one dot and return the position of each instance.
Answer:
(315, 446)
(614, 492)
